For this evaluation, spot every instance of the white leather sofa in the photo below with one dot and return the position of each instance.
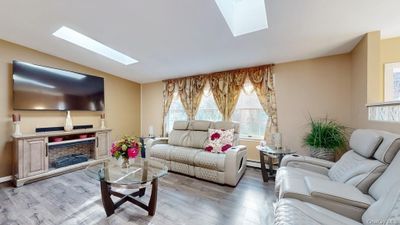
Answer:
(183, 152)
(384, 209)
(343, 187)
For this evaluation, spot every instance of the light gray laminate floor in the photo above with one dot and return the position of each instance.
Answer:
(75, 199)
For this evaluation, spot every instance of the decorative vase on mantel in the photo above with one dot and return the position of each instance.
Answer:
(68, 123)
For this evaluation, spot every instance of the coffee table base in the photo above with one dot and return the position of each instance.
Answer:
(110, 206)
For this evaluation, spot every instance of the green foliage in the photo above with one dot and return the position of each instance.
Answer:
(325, 134)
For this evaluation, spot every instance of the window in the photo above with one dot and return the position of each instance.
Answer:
(250, 114)
(392, 82)
(208, 109)
(176, 112)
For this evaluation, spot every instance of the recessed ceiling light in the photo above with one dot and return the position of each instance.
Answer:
(243, 16)
(86, 42)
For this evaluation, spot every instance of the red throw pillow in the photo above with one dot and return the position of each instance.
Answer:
(219, 141)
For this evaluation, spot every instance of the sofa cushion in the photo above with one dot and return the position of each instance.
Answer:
(196, 139)
(386, 209)
(365, 142)
(356, 170)
(292, 172)
(219, 141)
(389, 147)
(183, 154)
(296, 188)
(388, 179)
(201, 125)
(178, 137)
(161, 151)
(210, 161)
(181, 125)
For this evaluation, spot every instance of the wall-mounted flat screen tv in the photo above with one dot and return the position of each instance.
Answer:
(45, 88)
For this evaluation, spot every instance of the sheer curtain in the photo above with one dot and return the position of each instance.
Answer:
(264, 85)
(168, 94)
(176, 112)
(249, 113)
(208, 109)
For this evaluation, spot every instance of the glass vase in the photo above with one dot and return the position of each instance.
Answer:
(125, 163)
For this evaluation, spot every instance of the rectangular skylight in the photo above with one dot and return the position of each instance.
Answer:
(244, 16)
(86, 42)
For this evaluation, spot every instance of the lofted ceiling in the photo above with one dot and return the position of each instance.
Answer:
(177, 38)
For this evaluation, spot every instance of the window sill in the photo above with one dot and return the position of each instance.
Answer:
(254, 139)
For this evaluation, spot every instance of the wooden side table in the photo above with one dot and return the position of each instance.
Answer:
(274, 157)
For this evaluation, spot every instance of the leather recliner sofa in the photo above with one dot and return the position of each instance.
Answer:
(385, 209)
(183, 152)
(348, 187)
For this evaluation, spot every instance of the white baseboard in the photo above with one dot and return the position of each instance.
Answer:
(5, 179)
(253, 164)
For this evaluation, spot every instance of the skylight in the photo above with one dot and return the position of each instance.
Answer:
(243, 16)
(83, 41)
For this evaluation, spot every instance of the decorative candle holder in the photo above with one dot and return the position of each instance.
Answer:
(17, 129)
(151, 131)
(277, 137)
(102, 124)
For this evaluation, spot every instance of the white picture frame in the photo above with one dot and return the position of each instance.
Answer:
(392, 82)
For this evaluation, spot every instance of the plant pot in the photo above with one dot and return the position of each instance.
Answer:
(323, 153)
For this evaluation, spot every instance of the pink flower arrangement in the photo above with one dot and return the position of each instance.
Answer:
(127, 147)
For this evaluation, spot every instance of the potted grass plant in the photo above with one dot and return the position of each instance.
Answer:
(325, 138)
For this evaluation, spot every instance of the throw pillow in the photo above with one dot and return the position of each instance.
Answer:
(219, 141)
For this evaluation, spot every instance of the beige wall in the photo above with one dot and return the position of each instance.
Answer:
(152, 107)
(367, 78)
(317, 87)
(122, 99)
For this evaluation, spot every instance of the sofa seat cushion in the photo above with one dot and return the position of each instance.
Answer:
(296, 188)
(292, 173)
(295, 212)
(211, 161)
(161, 151)
(184, 154)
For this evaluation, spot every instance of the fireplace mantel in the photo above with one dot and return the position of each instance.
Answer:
(59, 133)
(31, 152)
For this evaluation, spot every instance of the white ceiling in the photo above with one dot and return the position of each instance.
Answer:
(177, 38)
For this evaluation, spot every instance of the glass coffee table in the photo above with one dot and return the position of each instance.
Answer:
(141, 173)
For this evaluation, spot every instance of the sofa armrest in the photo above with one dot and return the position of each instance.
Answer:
(337, 192)
(151, 142)
(235, 164)
(307, 163)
